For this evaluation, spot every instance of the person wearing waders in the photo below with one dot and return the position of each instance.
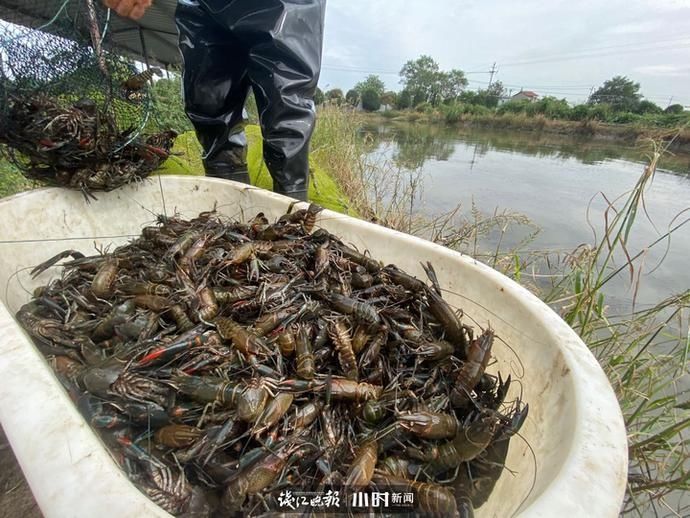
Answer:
(271, 46)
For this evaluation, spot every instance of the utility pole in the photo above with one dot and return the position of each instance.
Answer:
(492, 71)
(670, 101)
(591, 90)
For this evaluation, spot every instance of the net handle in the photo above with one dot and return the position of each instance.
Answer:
(96, 36)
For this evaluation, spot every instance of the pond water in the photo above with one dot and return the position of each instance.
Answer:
(552, 180)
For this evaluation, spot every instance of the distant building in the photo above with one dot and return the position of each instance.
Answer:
(525, 95)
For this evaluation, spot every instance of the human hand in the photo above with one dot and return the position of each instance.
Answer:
(133, 9)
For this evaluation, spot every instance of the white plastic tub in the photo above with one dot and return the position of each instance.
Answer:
(577, 463)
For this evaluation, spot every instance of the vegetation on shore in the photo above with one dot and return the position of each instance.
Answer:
(478, 117)
(323, 190)
(617, 109)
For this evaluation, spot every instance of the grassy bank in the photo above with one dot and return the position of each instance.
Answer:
(593, 128)
(322, 188)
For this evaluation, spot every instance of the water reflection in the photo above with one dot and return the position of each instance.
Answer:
(555, 182)
(415, 147)
(417, 143)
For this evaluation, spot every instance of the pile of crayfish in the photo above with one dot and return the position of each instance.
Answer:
(78, 145)
(224, 361)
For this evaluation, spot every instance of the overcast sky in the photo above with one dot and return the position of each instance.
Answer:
(553, 47)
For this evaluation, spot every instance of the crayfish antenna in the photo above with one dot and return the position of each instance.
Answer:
(431, 273)
(88, 195)
(75, 254)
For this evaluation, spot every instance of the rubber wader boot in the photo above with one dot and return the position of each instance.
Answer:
(298, 195)
(228, 164)
(224, 174)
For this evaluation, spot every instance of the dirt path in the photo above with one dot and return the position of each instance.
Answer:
(16, 499)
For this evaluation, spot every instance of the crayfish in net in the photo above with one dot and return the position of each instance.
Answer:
(77, 145)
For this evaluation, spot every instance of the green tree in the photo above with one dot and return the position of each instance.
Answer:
(452, 84)
(335, 95)
(419, 97)
(426, 82)
(420, 77)
(371, 100)
(579, 112)
(404, 100)
(318, 96)
(469, 97)
(551, 107)
(646, 106)
(621, 93)
(488, 97)
(601, 112)
(352, 97)
(675, 109)
(494, 93)
(372, 82)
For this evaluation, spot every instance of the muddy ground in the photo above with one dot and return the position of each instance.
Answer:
(16, 499)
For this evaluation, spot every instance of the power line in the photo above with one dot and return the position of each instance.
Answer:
(557, 87)
(631, 44)
(580, 54)
(559, 90)
(588, 51)
(509, 64)
(385, 72)
(358, 71)
(592, 55)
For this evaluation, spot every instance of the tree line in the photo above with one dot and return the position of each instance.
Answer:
(423, 83)
(425, 86)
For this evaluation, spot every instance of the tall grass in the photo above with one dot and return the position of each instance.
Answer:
(644, 352)
(337, 147)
